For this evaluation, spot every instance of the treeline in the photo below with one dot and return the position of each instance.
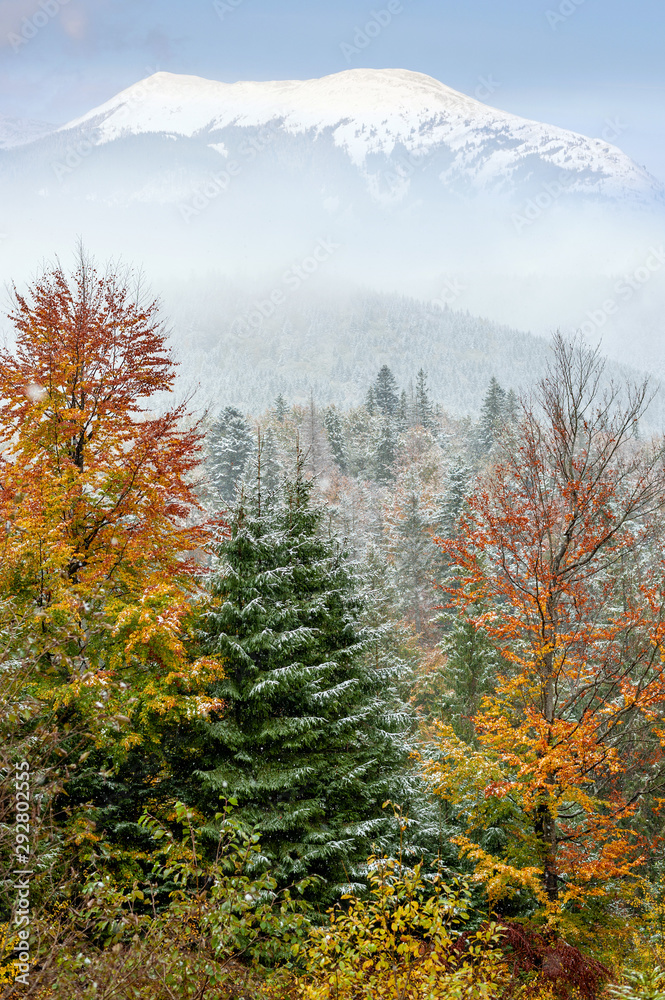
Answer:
(325, 703)
(393, 473)
(332, 344)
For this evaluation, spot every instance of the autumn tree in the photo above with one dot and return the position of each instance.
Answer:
(98, 507)
(558, 561)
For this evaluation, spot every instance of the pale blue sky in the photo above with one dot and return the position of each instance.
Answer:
(580, 64)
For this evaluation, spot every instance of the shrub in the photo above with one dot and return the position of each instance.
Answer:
(401, 943)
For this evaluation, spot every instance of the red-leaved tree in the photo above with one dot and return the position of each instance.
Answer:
(559, 561)
(99, 517)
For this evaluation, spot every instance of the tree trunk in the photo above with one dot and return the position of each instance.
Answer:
(545, 822)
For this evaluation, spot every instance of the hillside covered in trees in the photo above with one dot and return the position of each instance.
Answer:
(235, 348)
(244, 352)
(326, 697)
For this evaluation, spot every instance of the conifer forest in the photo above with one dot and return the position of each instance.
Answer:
(324, 701)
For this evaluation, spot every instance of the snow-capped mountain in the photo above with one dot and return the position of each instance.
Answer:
(382, 178)
(377, 117)
(21, 131)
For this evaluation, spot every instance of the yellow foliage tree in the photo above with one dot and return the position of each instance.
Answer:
(400, 944)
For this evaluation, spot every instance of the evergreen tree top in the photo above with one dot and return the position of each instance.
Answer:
(492, 415)
(424, 414)
(386, 395)
(280, 409)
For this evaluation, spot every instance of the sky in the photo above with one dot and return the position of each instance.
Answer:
(593, 66)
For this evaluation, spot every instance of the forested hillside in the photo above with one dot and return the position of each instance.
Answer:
(332, 344)
(330, 694)
(236, 348)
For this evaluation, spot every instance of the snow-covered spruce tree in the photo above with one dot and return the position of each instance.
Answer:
(333, 425)
(316, 447)
(230, 444)
(512, 408)
(264, 464)
(386, 395)
(412, 551)
(313, 740)
(451, 502)
(492, 416)
(470, 673)
(280, 409)
(402, 416)
(386, 453)
(424, 410)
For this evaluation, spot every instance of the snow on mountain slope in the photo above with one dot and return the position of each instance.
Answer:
(20, 131)
(378, 112)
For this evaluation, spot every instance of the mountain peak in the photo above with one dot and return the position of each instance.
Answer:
(377, 112)
(182, 104)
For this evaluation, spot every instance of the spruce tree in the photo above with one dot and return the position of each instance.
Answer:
(230, 445)
(451, 502)
(386, 452)
(333, 426)
(402, 420)
(310, 744)
(280, 409)
(511, 409)
(266, 469)
(492, 416)
(424, 415)
(315, 440)
(472, 666)
(413, 552)
(386, 395)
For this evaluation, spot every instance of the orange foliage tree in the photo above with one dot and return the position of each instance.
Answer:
(558, 561)
(99, 519)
